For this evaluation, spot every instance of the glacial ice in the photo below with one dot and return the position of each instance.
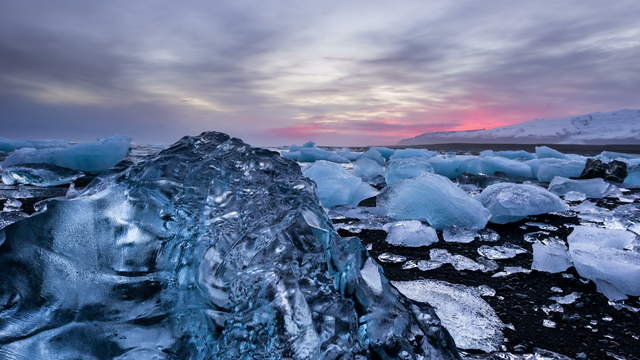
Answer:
(548, 168)
(472, 322)
(592, 188)
(492, 165)
(450, 166)
(368, 169)
(309, 153)
(435, 199)
(401, 169)
(209, 249)
(510, 270)
(543, 152)
(9, 145)
(509, 202)
(89, 157)
(550, 255)
(384, 151)
(348, 154)
(410, 233)
(633, 176)
(574, 196)
(412, 154)
(509, 154)
(460, 262)
(335, 186)
(608, 257)
(373, 155)
(38, 175)
(456, 234)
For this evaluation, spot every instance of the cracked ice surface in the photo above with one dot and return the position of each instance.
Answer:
(208, 249)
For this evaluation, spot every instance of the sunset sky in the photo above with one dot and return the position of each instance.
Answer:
(282, 72)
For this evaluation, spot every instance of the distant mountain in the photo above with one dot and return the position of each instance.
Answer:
(617, 127)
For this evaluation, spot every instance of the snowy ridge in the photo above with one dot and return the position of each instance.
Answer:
(617, 127)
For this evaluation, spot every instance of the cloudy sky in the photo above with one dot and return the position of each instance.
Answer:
(281, 72)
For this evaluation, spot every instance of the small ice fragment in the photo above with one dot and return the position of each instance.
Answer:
(510, 270)
(506, 251)
(472, 322)
(335, 186)
(485, 290)
(371, 275)
(410, 233)
(410, 264)
(555, 307)
(542, 226)
(567, 299)
(488, 235)
(591, 188)
(391, 258)
(548, 323)
(426, 265)
(459, 235)
(12, 205)
(535, 236)
(575, 196)
(556, 289)
(550, 255)
(459, 262)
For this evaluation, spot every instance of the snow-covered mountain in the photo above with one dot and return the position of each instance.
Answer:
(617, 127)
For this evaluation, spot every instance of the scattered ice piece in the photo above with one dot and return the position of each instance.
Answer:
(488, 235)
(410, 264)
(592, 188)
(493, 165)
(556, 289)
(348, 154)
(535, 236)
(628, 216)
(567, 299)
(391, 258)
(472, 322)
(373, 155)
(486, 290)
(510, 270)
(459, 235)
(509, 154)
(426, 265)
(371, 275)
(542, 226)
(510, 202)
(410, 233)
(12, 205)
(310, 153)
(368, 169)
(401, 169)
(90, 157)
(450, 166)
(606, 257)
(607, 318)
(547, 152)
(335, 186)
(412, 154)
(555, 307)
(489, 265)
(506, 251)
(459, 262)
(435, 199)
(589, 211)
(550, 255)
(546, 169)
(575, 196)
(548, 323)
(620, 305)
(38, 175)
(384, 151)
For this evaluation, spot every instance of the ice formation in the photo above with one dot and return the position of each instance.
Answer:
(608, 257)
(209, 249)
(543, 152)
(435, 199)
(459, 235)
(510, 154)
(89, 157)
(592, 188)
(550, 255)
(500, 252)
(384, 151)
(401, 169)
(460, 262)
(470, 320)
(373, 155)
(348, 154)
(492, 165)
(335, 186)
(450, 166)
(412, 154)
(9, 145)
(310, 153)
(633, 177)
(368, 169)
(509, 202)
(38, 175)
(548, 168)
(410, 233)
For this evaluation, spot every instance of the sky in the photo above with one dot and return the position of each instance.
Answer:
(281, 72)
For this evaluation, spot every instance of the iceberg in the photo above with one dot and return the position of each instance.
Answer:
(470, 320)
(384, 151)
(210, 249)
(368, 169)
(435, 199)
(510, 202)
(38, 175)
(546, 169)
(545, 152)
(309, 153)
(450, 166)
(88, 157)
(550, 255)
(591, 188)
(401, 169)
(335, 186)
(509, 154)
(492, 165)
(412, 153)
(410, 233)
(373, 155)
(608, 257)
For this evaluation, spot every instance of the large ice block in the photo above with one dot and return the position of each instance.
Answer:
(509, 202)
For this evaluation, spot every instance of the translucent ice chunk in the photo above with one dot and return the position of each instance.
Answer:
(567, 299)
(401, 169)
(459, 235)
(512, 202)
(509, 154)
(384, 151)
(90, 157)
(470, 320)
(548, 168)
(459, 262)
(335, 186)
(368, 169)
(510, 270)
(348, 154)
(373, 155)
(38, 175)
(550, 255)
(9, 145)
(435, 199)
(575, 196)
(492, 165)
(608, 258)
(412, 153)
(450, 166)
(506, 251)
(312, 154)
(633, 176)
(547, 152)
(592, 188)
(410, 233)
(210, 249)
